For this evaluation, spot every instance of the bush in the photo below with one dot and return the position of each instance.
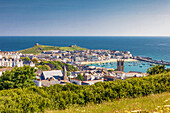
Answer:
(18, 78)
(39, 99)
(157, 69)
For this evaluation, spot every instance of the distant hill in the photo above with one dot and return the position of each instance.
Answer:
(36, 49)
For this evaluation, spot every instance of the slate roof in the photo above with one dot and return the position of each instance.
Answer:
(53, 73)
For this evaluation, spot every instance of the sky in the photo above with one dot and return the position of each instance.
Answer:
(84, 17)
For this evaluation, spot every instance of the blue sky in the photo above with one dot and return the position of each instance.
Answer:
(85, 17)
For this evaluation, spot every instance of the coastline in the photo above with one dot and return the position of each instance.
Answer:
(105, 61)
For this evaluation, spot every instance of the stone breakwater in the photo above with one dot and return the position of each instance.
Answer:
(147, 59)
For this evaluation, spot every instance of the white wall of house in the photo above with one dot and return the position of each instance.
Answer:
(134, 74)
(10, 63)
(0, 73)
(32, 64)
(38, 83)
(75, 81)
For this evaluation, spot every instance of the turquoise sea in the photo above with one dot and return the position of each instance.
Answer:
(138, 66)
(155, 47)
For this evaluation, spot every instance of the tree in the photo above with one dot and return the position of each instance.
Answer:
(35, 60)
(26, 59)
(18, 78)
(68, 73)
(44, 67)
(110, 70)
(168, 69)
(156, 69)
(71, 68)
(80, 77)
(56, 65)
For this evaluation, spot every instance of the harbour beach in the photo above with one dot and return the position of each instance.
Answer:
(105, 61)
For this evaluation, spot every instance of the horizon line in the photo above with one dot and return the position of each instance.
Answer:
(81, 36)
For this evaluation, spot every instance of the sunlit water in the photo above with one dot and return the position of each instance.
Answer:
(138, 66)
(155, 47)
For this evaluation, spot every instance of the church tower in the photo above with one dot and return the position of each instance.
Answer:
(65, 74)
(120, 65)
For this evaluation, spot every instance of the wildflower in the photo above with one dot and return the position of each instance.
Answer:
(166, 105)
(83, 111)
(127, 111)
(166, 101)
(136, 111)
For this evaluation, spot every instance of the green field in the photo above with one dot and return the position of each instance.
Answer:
(146, 104)
(39, 48)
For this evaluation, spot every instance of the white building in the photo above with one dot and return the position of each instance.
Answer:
(134, 74)
(11, 62)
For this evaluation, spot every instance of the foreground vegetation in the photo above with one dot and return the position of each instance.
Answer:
(18, 78)
(39, 48)
(157, 69)
(58, 97)
(151, 103)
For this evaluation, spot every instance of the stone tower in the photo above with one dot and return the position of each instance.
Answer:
(65, 74)
(120, 65)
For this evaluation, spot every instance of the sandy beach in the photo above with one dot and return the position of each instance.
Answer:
(111, 60)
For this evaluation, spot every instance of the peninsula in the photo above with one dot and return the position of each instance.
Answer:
(36, 49)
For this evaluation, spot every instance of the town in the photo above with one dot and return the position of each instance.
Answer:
(84, 75)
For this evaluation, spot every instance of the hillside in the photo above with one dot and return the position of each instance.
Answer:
(145, 104)
(112, 96)
(39, 48)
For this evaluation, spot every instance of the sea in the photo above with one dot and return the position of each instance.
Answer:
(155, 47)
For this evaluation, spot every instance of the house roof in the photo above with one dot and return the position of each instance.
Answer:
(5, 69)
(118, 72)
(108, 76)
(75, 79)
(135, 72)
(49, 74)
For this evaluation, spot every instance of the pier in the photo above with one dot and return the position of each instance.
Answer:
(148, 59)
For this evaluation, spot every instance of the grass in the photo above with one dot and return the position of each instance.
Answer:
(72, 48)
(39, 48)
(148, 104)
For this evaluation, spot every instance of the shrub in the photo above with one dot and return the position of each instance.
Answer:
(18, 78)
(39, 99)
